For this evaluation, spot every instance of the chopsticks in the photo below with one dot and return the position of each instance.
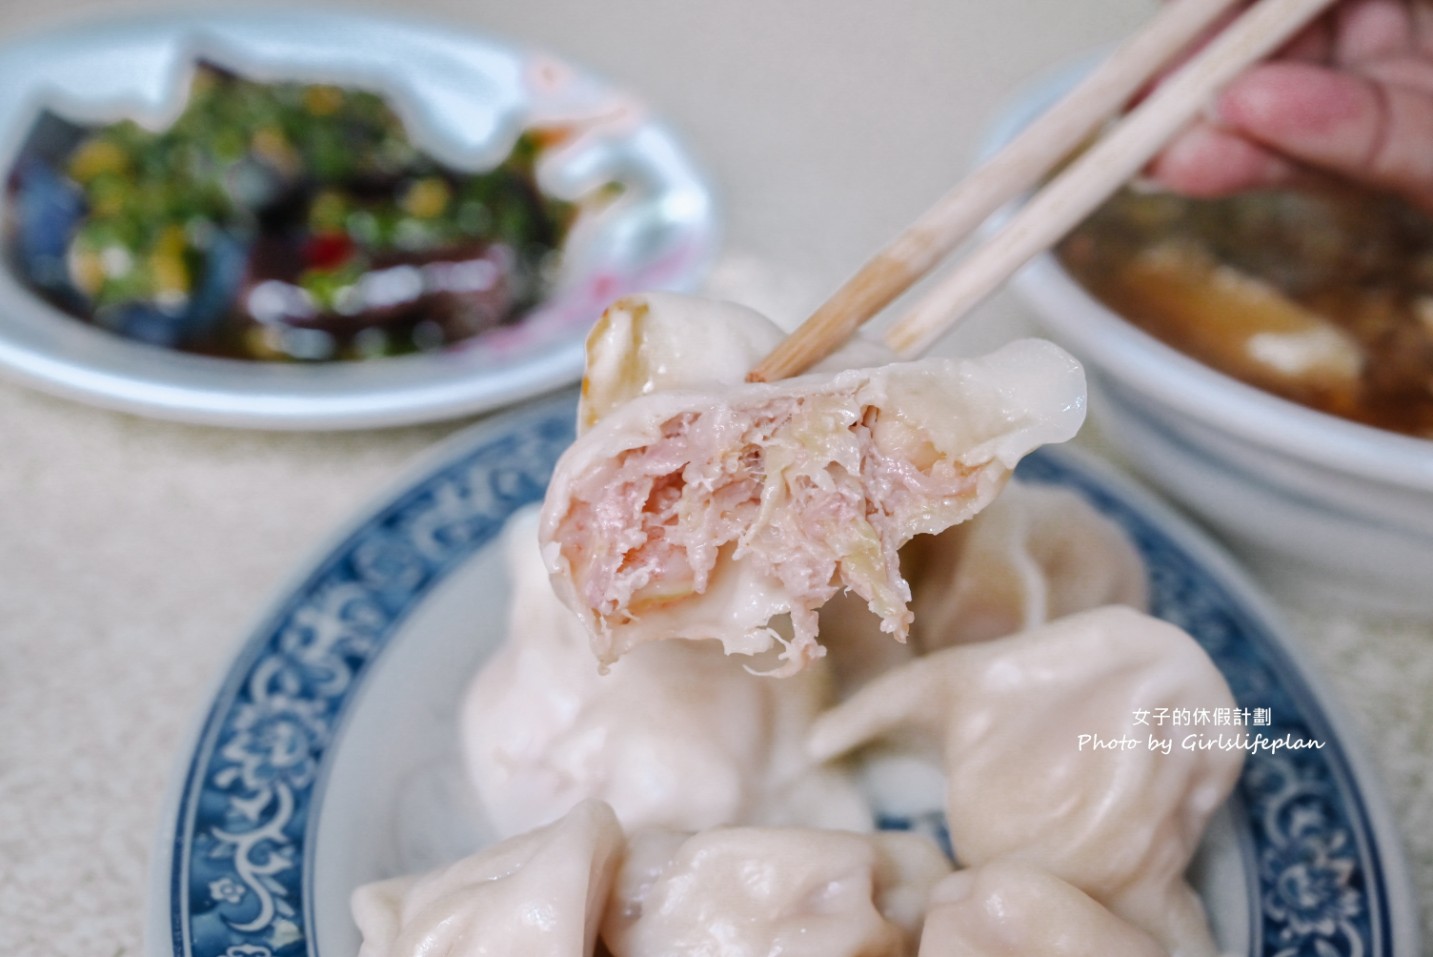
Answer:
(1066, 199)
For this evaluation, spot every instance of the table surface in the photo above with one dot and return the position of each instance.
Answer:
(136, 552)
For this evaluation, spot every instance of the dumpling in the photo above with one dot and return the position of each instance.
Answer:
(856, 648)
(676, 735)
(662, 341)
(1046, 759)
(1010, 908)
(537, 894)
(655, 342)
(1035, 554)
(760, 891)
(707, 513)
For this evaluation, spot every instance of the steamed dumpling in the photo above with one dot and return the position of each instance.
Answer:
(676, 735)
(1037, 553)
(662, 341)
(1121, 823)
(540, 894)
(1009, 908)
(709, 511)
(752, 892)
(856, 648)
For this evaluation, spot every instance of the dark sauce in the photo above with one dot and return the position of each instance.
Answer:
(1323, 297)
(278, 221)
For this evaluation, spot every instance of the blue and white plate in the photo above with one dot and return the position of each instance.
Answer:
(464, 99)
(328, 756)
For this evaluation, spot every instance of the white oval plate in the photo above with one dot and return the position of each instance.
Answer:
(328, 756)
(464, 99)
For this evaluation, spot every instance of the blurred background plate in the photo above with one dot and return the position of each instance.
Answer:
(328, 756)
(460, 95)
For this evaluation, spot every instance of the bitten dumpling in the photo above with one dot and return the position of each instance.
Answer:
(709, 512)
(675, 735)
(1030, 728)
(540, 894)
(1009, 908)
(751, 892)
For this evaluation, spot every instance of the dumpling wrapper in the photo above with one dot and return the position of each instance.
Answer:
(1010, 908)
(1037, 553)
(663, 341)
(1119, 823)
(540, 894)
(675, 735)
(709, 512)
(751, 892)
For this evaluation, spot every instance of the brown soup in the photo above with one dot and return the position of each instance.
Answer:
(1324, 298)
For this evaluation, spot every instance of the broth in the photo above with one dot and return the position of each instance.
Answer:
(1323, 297)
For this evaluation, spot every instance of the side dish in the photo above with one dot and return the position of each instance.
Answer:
(1323, 297)
(278, 221)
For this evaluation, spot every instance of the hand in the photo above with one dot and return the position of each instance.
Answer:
(1352, 96)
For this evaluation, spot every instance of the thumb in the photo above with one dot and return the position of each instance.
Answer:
(1344, 123)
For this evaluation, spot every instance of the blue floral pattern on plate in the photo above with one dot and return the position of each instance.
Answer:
(1327, 883)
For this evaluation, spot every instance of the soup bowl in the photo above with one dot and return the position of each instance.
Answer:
(1310, 500)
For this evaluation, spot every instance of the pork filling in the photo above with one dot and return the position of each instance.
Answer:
(817, 492)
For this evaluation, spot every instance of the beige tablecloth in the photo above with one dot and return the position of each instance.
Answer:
(134, 553)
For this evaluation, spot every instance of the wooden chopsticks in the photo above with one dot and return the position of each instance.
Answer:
(1066, 199)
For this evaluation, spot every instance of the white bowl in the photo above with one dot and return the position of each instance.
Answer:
(1310, 499)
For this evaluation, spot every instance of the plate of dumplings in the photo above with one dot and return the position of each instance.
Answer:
(1095, 737)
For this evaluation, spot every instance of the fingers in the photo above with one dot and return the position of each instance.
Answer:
(1314, 43)
(1340, 122)
(1206, 161)
(1422, 17)
(1371, 29)
(1410, 72)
